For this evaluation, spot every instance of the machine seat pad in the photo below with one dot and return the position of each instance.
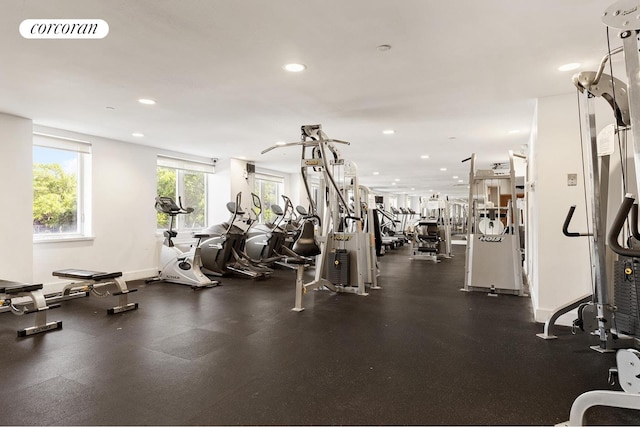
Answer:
(86, 274)
(9, 287)
(201, 235)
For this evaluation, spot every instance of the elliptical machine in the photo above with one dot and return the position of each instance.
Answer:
(263, 240)
(176, 266)
(222, 248)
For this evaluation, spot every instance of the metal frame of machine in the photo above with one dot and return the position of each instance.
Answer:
(592, 85)
(343, 223)
(493, 258)
(432, 232)
(623, 15)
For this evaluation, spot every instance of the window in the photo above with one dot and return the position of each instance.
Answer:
(269, 188)
(185, 181)
(61, 183)
(393, 201)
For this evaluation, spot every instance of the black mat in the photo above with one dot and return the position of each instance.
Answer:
(418, 351)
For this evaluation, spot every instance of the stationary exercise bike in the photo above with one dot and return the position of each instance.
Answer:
(176, 266)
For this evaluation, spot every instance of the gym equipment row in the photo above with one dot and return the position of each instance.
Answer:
(26, 298)
(242, 245)
(431, 237)
(391, 234)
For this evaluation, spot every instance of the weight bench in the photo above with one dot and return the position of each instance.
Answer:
(24, 298)
(93, 281)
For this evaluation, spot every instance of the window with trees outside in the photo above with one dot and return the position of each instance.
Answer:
(269, 188)
(186, 182)
(61, 184)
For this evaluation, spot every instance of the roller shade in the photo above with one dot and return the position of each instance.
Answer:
(184, 164)
(61, 143)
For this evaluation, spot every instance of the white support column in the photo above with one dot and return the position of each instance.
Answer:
(16, 176)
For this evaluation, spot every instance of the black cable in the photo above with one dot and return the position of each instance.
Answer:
(586, 202)
(623, 166)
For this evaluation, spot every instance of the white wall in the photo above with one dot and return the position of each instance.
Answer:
(240, 182)
(219, 186)
(122, 210)
(229, 179)
(16, 215)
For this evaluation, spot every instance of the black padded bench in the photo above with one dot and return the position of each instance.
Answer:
(30, 299)
(13, 288)
(86, 274)
(94, 281)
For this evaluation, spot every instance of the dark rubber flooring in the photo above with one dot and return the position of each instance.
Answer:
(418, 351)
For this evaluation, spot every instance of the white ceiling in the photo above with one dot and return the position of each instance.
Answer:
(459, 77)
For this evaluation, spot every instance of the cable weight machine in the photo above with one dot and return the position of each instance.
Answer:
(493, 258)
(595, 310)
(347, 262)
(624, 16)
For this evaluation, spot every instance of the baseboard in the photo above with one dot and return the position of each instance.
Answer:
(140, 274)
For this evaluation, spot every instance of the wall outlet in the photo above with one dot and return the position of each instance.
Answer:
(572, 179)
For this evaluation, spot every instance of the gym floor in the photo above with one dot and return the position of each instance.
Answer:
(418, 351)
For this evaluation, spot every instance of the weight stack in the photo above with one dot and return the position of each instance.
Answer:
(338, 267)
(625, 296)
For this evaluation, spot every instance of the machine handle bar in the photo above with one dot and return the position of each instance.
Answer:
(316, 217)
(617, 226)
(634, 222)
(567, 221)
(353, 218)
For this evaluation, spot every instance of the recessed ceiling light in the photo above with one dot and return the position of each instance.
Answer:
(294, 67)
(443, 169)
(424, 156)
(388, 131)
(413, 188)
(384, 47)
(455, 177)
(461, 181)
(376, 173)
(393, 183)
(280, 143)
(137, 134)
(569, 67)
(146, 101)
(514, 131)
(242, 157)
(397, 179)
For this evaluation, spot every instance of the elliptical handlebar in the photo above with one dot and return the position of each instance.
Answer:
(257, 203)
(567, 221)
(617, 226)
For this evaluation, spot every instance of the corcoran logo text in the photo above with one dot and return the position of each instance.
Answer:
(64, 29)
